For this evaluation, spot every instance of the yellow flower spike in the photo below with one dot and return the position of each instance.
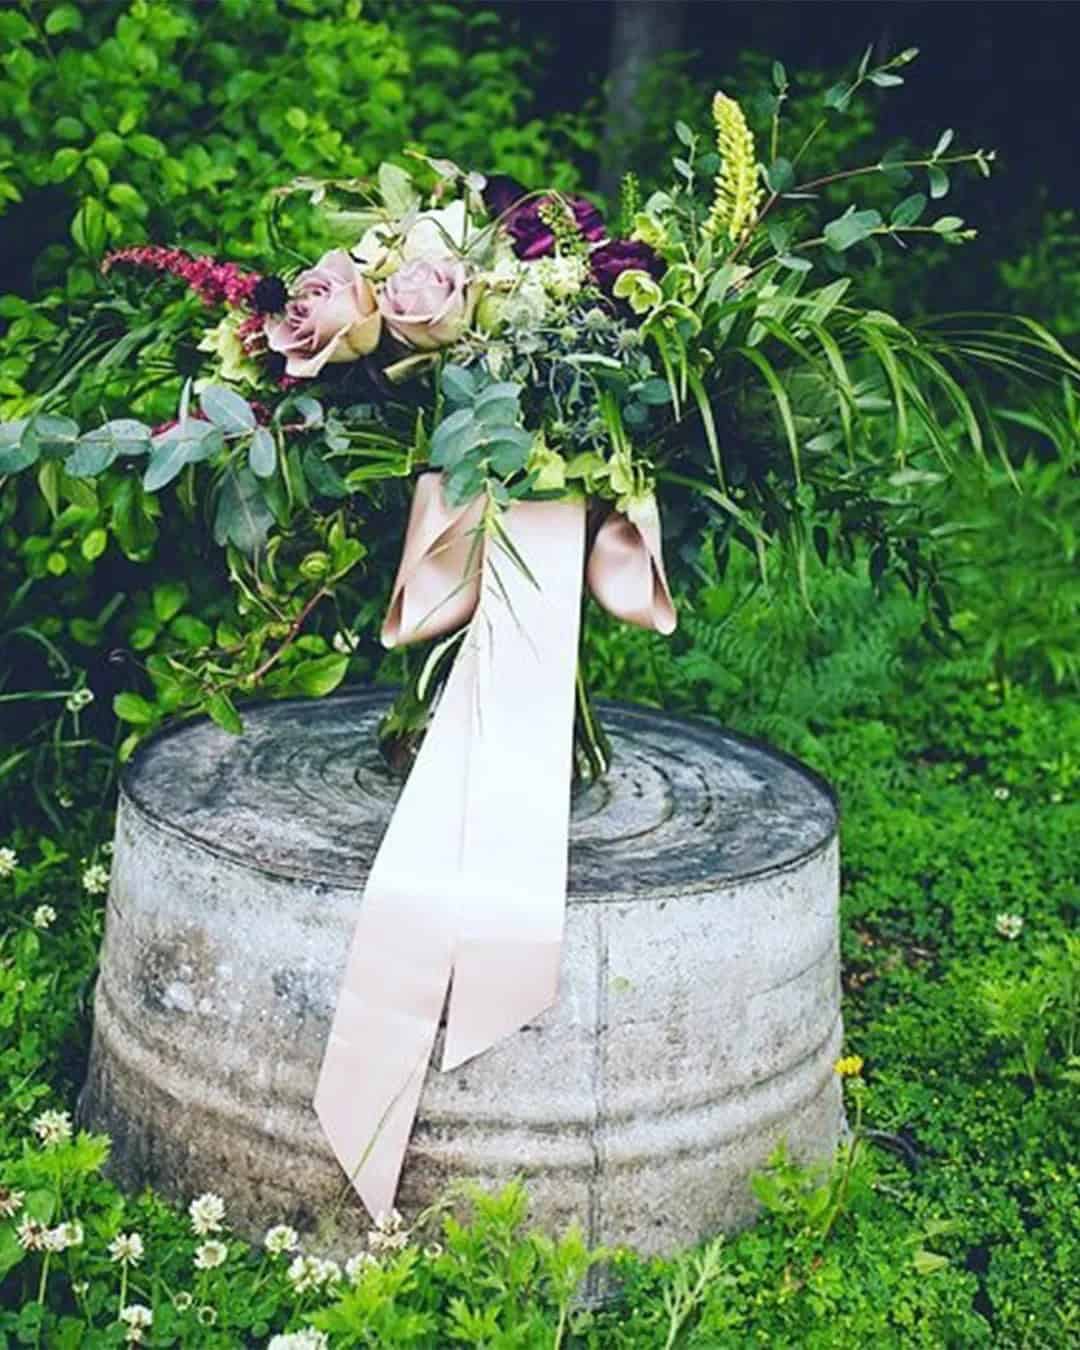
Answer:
(738, 195)
(849, 1067)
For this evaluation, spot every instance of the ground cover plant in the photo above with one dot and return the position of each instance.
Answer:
(950, 1219)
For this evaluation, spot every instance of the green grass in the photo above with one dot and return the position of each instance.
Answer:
(952, 1221)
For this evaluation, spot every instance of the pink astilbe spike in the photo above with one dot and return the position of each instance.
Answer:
(215, 282)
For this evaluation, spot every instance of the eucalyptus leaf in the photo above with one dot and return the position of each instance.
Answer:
(226, 409)
(187, 443)
(453, 437)
(510, 451)
(458, 384)
(497, 405)
(396, 185)
(98, 449)
(56, 437)
(17, 450)
(242, 517)
(262, 454)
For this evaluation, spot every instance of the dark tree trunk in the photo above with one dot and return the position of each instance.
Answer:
(642, 31)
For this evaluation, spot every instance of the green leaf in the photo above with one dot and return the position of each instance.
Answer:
(851, 228)
(453, 437)
(17, 449)
(187, 443)
(322, 476)
(262, 455)
(837, 96)
(779, 76)
(396, 185)
(780, 175)
(55, 436)
(63, 19)
(509, 452)
(909, 210)
(90, 228)
(226, 409)
(927, 1262)
(885, 79)
(944, 141)
(98, 449)
(94, 544)
(458, 384)
(654, 391)
(684, 133)
(497, 405)
(223, 711)
(793, 262)
(939, 181)
(168, 599)
(134, 708)
(947, 225)
(320, 676)
(242, 516)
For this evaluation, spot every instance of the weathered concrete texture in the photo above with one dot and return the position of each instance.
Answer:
(698, 1019)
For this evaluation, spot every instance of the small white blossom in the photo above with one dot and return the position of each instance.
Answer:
(33, 1236)
(210, 1255)
(9, 860)
(308, 1339)
(1009, 925)
(79, 699)
(95, 879)
(64, 799)
(44, 916)
(65, 1235)
(207, 1212)
(127, 1248)
(310, 1272)
(356, 1265)
(80, 1288)
(281, 1238)
(345, 642)
(561, 276)
(53, 1127)
(389, 1234)
(182, 1301)
(1002, 794)
(107, 848)
(137, 1315)
(1057, 796)
(207, 1315)
(10, 1202)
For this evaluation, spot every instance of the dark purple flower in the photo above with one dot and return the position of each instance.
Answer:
(610, 260)
(532, 237)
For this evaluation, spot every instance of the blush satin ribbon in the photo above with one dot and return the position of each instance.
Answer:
(468, 887)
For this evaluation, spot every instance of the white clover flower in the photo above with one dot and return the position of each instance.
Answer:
(207, 1315)
(356, 1265)
(310, 1272)
(9, 860)
(95, 879)
(345, 643)
(52, 1127)
(389, 1234)
(182, 1301)
(207, 1212)
(33, 1236)
(281, 1238)
(64, 799)
(137, 1315)
(307, 1339)
(79, 699)
(210, 1255)
(65, 1235)
(10, 1202)
(80, 1288)
(1009, 925)
(43, 917)
(107, 848)
(127, 1248)
(1002, 794)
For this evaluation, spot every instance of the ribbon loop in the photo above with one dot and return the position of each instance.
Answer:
(625, 571)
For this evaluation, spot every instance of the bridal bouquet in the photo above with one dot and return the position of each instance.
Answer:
(702, 344)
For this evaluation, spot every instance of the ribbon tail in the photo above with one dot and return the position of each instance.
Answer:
(507, 955)
(626, 572)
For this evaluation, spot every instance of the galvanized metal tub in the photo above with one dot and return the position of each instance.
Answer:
(698, 1017)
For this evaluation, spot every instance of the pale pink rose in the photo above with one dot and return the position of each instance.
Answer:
(331, 316)
(427, 302)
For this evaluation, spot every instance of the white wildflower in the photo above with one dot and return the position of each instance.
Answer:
(1002, 794)
(210, 1255)
(127, 1248)
(561, 276)
(95, 879)
(389, 1234)
(137, 1315)
(53, 1127)
(310, 1272)
(65, 1235)
(79, 699)
(345, 642)
(182, 1301)
(1009, 925)
(80, 1288)
(281, 1238)
(107, 848)
(1057, 797)
(308, 1339)
(33, 1235)
(9, 860)
(44, 916)
(207, 1212)
(10, 1202)
(207, 1315)
(356, 1265)
(64, 799)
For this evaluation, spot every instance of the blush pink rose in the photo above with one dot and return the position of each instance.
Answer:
(331, 316)
(427, 302)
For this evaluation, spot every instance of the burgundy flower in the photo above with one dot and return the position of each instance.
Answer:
(532, 237)
(610, 260)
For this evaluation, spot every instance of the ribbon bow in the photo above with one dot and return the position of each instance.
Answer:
(468, 887)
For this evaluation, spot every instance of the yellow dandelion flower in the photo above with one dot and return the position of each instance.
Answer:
(849, 1066)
